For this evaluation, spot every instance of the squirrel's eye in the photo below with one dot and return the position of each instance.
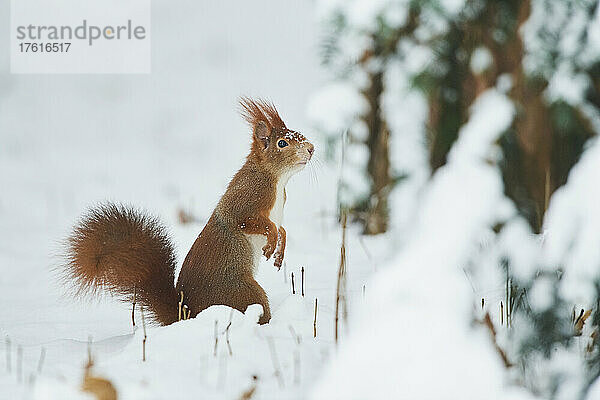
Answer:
(282, 143)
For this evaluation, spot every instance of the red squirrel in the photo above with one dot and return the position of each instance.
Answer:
(129, 253)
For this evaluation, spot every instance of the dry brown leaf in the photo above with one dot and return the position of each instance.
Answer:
(247, 395)
(99, 387)
(581, 322)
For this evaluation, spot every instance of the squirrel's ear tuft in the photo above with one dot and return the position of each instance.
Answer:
(251, 111)
(262, 134)
(255, 111)
(253, 114)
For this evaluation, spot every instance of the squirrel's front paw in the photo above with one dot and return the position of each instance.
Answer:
(278, 259)
(268, 250)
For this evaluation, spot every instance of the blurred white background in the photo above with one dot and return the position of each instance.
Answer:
(167, 140)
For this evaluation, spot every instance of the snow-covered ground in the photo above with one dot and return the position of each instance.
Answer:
(170, 141)
(166, 141)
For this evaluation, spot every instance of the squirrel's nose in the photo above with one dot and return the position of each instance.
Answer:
(311, 149)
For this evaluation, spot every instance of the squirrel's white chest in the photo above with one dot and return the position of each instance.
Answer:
(276, 216)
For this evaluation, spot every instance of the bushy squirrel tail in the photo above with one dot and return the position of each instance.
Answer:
(128, 253)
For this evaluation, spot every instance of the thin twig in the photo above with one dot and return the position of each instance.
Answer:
(315, 320)
(216, 338)
(8, 353)
(298, 340)
(340, 296)
(470, 280)
(293, 287)
(487, 321)
(340, 179)
(89, 351)
(302, 281)
(547, 189)
(275, 361)
(41, 360)
(90, 362)
(145, 337)
(507, 298)
(367, 252)
(579, 317)
(20, 363)
(581, 321)
(511, 304)
(227, 333)
(247, 395)
(180, 305)
(133, 307)
(296, 337)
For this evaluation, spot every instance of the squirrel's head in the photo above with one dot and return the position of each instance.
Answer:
(280, 149)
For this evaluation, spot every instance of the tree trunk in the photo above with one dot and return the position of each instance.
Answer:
(378, 168)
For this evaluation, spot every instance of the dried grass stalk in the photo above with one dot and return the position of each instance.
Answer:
(340, 293)
(487, 321)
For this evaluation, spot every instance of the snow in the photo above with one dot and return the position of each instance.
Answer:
(540, 295)
(571, 225)
(422, 295)
(171, 141)
(593, 34)
(567, 248)
(334, 108)
(558, 47)
(418, 58)
(481, 59)
(452, 7)
(491, 115)
(568, 86)
(445, 238)
(522, 247)
(363, 14)
(183, 357)
(165, 142)
(405, 111)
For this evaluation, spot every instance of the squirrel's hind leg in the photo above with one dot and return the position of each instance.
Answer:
(250, 293)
